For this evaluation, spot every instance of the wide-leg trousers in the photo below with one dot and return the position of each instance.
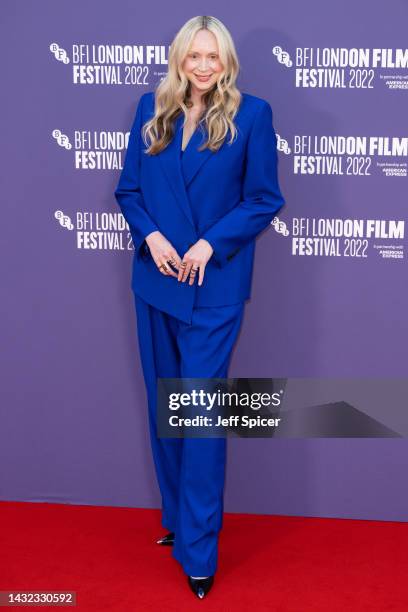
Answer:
(190, 471)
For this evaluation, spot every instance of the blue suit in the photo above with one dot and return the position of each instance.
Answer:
(187, 331)
(190, 471)
(227, 197)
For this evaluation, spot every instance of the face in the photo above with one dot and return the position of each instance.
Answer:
(202, 64)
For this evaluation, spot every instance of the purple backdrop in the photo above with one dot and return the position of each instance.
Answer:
(73, 408)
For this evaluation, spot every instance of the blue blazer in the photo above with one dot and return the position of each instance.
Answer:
(227, 197)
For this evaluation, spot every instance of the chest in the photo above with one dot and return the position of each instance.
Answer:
(189, 129)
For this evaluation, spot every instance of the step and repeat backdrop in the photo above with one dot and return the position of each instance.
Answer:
(328, 313)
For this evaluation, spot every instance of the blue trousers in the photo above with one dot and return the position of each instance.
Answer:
(190, 471)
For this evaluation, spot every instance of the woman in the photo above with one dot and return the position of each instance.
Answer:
(199, 183)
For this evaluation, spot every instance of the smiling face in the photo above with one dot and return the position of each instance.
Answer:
(202, 64)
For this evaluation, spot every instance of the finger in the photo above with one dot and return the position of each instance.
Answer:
(174, 261)
(193, 273)
(157, 261)
(182, 267)
(176, 257)
(201, 275)
(186, 271)
(163, 267)
(168, 261)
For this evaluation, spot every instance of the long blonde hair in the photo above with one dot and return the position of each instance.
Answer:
(173, 92)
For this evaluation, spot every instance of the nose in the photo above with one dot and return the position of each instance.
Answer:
(203, 65)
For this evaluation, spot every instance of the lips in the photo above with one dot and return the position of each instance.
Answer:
(203, 78)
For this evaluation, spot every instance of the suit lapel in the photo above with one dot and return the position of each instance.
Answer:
(180, 172)
(193, 159)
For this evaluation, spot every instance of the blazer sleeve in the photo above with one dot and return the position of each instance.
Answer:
(128, 193)
(262, 197)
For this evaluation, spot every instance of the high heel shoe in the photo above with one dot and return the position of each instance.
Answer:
(200, 586)
(167, 540)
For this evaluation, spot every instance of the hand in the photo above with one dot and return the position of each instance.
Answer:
(162, 252)
(195, 258)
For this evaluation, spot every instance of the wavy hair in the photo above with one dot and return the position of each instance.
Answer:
(172, 95)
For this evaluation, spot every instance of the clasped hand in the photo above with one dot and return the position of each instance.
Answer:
(166, 258)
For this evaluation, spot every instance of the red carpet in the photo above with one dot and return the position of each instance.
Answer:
(109, 557)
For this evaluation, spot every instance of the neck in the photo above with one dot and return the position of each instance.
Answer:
(196, 97)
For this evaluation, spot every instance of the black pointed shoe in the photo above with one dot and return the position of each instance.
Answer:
(200, 586)
(167, 540)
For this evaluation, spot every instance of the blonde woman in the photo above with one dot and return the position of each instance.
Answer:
(199, 183)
